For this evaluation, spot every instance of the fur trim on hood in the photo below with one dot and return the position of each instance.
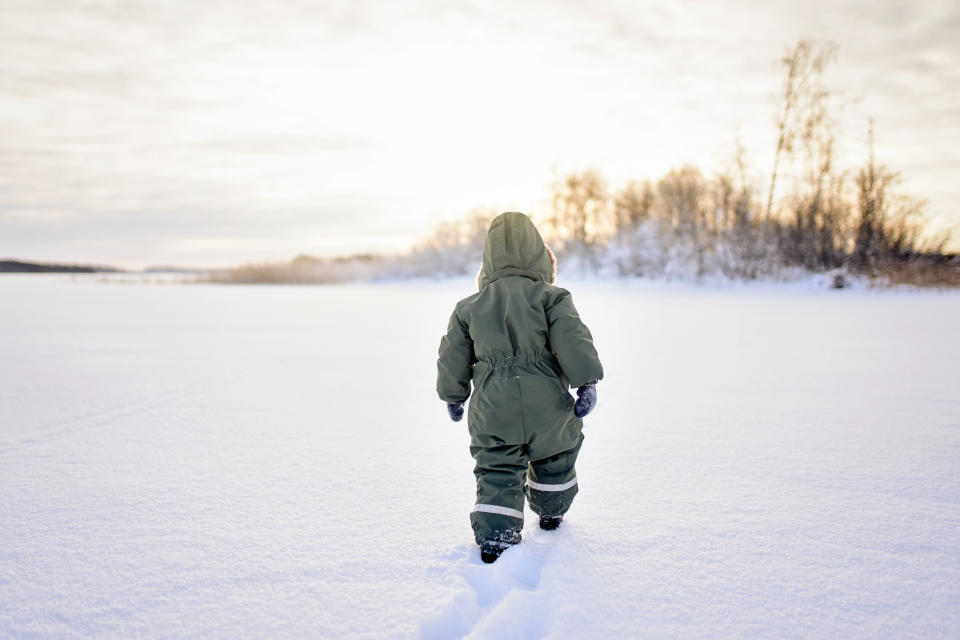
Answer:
(553, 261)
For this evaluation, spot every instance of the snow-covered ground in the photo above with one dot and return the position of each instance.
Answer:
(228, 462)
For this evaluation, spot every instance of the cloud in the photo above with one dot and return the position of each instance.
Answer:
(154, 121)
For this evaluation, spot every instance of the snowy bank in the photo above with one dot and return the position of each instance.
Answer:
(219, 462)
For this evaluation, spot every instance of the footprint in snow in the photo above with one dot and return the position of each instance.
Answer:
(487, 585)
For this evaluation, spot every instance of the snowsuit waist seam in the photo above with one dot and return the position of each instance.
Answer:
(512, 361)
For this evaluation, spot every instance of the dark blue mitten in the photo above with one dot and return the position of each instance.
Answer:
(455, 411)
(586, 399)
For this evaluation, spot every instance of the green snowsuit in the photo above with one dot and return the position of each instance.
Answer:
(522, 343)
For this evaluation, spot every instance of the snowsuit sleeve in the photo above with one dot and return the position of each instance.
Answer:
(571, 341)
(455, 365)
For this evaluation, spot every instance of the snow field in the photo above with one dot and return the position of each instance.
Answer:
(210, 461)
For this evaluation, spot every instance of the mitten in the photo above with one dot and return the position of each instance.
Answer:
(586, 399)
(455, 411)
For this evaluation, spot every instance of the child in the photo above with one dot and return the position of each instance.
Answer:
(522, 343)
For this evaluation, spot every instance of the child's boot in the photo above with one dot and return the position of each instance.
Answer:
(549, 523)
(490, 550)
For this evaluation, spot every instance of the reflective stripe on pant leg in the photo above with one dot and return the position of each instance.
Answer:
(539, 486)
(552, 482)
(498, 514)
(504, 511)
(551, 503)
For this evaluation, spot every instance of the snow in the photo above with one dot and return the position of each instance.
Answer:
(248, 462)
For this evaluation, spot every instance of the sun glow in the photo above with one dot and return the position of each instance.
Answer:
(300, 125)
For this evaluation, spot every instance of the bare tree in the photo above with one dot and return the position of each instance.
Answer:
(580, 204)
(888, 224)
(680, 198)
(633, 204)
(723, 197)
(820, 210)
(681, 206)
(454, 247)
(802, 92)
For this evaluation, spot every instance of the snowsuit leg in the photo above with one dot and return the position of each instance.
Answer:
(500, 472)
(552, 482)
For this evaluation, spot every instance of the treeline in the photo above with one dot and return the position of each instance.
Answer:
(849, 221)
(21, 266)
(685, 224)
(688, 226)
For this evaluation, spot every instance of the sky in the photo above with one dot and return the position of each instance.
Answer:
(217, 133)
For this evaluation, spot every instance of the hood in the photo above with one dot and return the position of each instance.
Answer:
(514, 248)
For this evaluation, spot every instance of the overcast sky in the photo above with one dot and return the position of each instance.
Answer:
(215, 133)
